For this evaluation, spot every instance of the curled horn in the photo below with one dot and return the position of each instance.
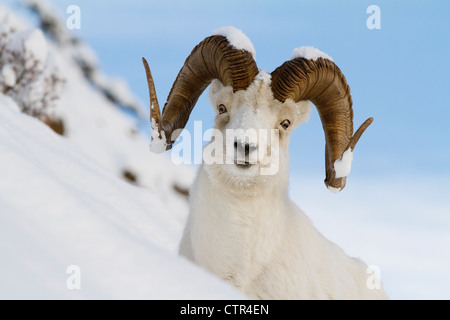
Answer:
(213, 58)
(322, 82)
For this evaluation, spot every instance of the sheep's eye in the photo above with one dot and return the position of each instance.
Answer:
(285, 124)
(222, 109)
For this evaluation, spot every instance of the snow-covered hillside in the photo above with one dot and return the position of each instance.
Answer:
(64, 200)
(89, 116)
(59, 207)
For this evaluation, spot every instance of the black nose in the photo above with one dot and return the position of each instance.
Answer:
(244, 148)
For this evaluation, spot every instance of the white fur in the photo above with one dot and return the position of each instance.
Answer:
(244, 228)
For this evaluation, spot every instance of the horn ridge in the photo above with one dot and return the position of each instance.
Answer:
(213, 58)
(322, 82)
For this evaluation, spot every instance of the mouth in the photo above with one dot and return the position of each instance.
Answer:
(244, 165)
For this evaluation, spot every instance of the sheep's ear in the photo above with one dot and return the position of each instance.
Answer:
(214, 89)
(300, 111)
(303, 111)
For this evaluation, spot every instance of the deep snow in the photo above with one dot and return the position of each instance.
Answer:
(59, 207)
(63, 202)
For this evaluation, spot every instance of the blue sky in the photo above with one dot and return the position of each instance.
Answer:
(398, 74)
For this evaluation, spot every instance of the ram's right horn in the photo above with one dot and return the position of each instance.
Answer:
(322, 82)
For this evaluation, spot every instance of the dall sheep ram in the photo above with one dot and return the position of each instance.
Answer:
(242, 225)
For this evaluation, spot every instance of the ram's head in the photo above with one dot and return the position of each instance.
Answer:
(247, 98)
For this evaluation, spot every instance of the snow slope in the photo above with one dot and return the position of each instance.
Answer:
(59, 207)
(62, 199)
(95, 123)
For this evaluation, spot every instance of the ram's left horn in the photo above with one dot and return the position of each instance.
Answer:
(158, 135)
(322, 82)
